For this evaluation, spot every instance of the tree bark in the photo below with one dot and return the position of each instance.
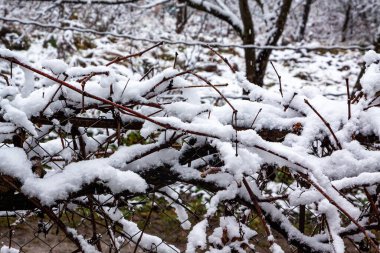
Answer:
(263, 57)
(376, 43)
(305, 17)
(181, 16)
(345, 23)
(248, 37)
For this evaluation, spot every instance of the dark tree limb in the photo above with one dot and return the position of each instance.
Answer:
(248, 37)
(213, 10)
(305, 17)
(279, 26)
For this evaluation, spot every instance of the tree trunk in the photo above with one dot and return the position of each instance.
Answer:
(181, 16)
(376, 43)
(305, 17)
(263, 57)
(345, 23)
(248, 37)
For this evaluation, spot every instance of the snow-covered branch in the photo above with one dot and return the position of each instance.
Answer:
(66, 140)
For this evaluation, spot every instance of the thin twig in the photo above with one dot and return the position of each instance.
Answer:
(374, 99)
(145, 224)
(257, 207)
(348, 99)
(357, 97)
(372, 203)
(325, 122)
(175, 60)
(94, 233)
(213, 86)
(124, 88)
(51, 100)
(86, 78)
(10, 231)
(202, 86)
(234, 124)
(5, 78)
(223, 58)
(123, 58)
(271, 199)
(257, 114)
(320, 190)
(290, 101)
(279, 78)
(146, 74)
(330, 235)
(366, 108)
(165, 79)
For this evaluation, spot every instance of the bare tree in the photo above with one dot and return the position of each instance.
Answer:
(181, 16)
(347, 18)
(256, 62)
(305, 17)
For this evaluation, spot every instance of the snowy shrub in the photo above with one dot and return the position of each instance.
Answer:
(297, 166)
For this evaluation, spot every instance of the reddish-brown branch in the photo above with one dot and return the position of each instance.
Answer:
(86, 78)
(168, 126)
(213, 86)
(5, 78)
(103, 100)
(374, 208)
(201, 86)
(165, 79)
(366, 108)
(254, 120)
(271, 199)
(223, 58)
(326, 123)
(154, 149)
(51, 100)
(257, 207)
(279, 78)
(123, 58)
(146, 74)
(281, 156)
(320, 190)
(377, 95)
(358, 96)
(290, 101)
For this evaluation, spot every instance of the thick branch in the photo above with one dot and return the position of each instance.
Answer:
(274, 37)
(217, 12)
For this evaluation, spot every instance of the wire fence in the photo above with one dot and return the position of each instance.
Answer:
(180, 42)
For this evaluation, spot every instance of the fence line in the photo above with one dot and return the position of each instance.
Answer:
(181, 42)
(132, 3)
(104, 2)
